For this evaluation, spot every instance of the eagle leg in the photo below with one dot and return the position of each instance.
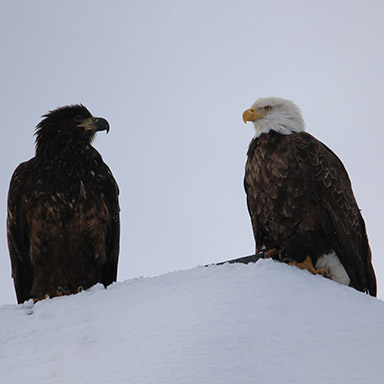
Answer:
(36, 299)
(308, 265)
(273, 253)
(62, 290)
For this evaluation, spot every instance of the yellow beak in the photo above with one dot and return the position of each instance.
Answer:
(251, 115)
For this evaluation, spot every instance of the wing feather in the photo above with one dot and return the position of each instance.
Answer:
(18, 237)
(111, 198)
(337, 209)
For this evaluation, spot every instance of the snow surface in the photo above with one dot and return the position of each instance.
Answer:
(257, 323)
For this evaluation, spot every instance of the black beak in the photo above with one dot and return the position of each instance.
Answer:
(101, 124)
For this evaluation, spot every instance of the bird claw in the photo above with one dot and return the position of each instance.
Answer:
(277, 254)
(62, 290)
(36, 299)
(308, 265)
(273, 253)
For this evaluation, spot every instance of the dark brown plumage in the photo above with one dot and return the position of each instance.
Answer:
(63, 210)
(300, 197)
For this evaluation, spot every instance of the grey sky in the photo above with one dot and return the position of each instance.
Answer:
(173, 78)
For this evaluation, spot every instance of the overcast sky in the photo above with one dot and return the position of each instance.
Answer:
(173, 78)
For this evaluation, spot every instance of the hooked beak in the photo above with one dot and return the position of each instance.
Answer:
(251, 115)
(101, 124)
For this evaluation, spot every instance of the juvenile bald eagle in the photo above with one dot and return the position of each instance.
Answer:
(63, 210)
(300, 199)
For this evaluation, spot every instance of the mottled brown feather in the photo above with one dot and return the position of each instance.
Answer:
(63, 217)
(300, 200)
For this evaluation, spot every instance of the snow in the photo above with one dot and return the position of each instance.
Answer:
(258, 323)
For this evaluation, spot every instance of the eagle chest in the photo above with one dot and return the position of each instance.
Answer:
(275, 184)
(65, 198)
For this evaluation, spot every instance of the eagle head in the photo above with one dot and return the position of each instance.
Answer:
(276, 114)
(69, 126)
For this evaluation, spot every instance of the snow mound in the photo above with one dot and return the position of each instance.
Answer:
(257, 323)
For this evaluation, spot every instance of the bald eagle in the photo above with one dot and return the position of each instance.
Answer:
(300, 199)
(63, 211)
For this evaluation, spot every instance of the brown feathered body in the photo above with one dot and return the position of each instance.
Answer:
(301, 202)
(63, 211)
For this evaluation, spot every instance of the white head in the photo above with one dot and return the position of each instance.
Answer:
(276, 114)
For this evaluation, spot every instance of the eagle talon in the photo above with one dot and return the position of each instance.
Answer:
(36, 299)
(308, 265)
(60, 291)
(273, 253)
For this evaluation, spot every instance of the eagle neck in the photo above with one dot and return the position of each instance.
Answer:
(270, 138)
(62, 149)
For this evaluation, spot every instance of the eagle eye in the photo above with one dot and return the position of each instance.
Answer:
(77, 118)
(267, 108)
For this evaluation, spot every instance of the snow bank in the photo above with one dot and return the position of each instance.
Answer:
(256, 323)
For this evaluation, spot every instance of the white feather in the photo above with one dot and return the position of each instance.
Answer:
(285, 116)
(333, 268)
